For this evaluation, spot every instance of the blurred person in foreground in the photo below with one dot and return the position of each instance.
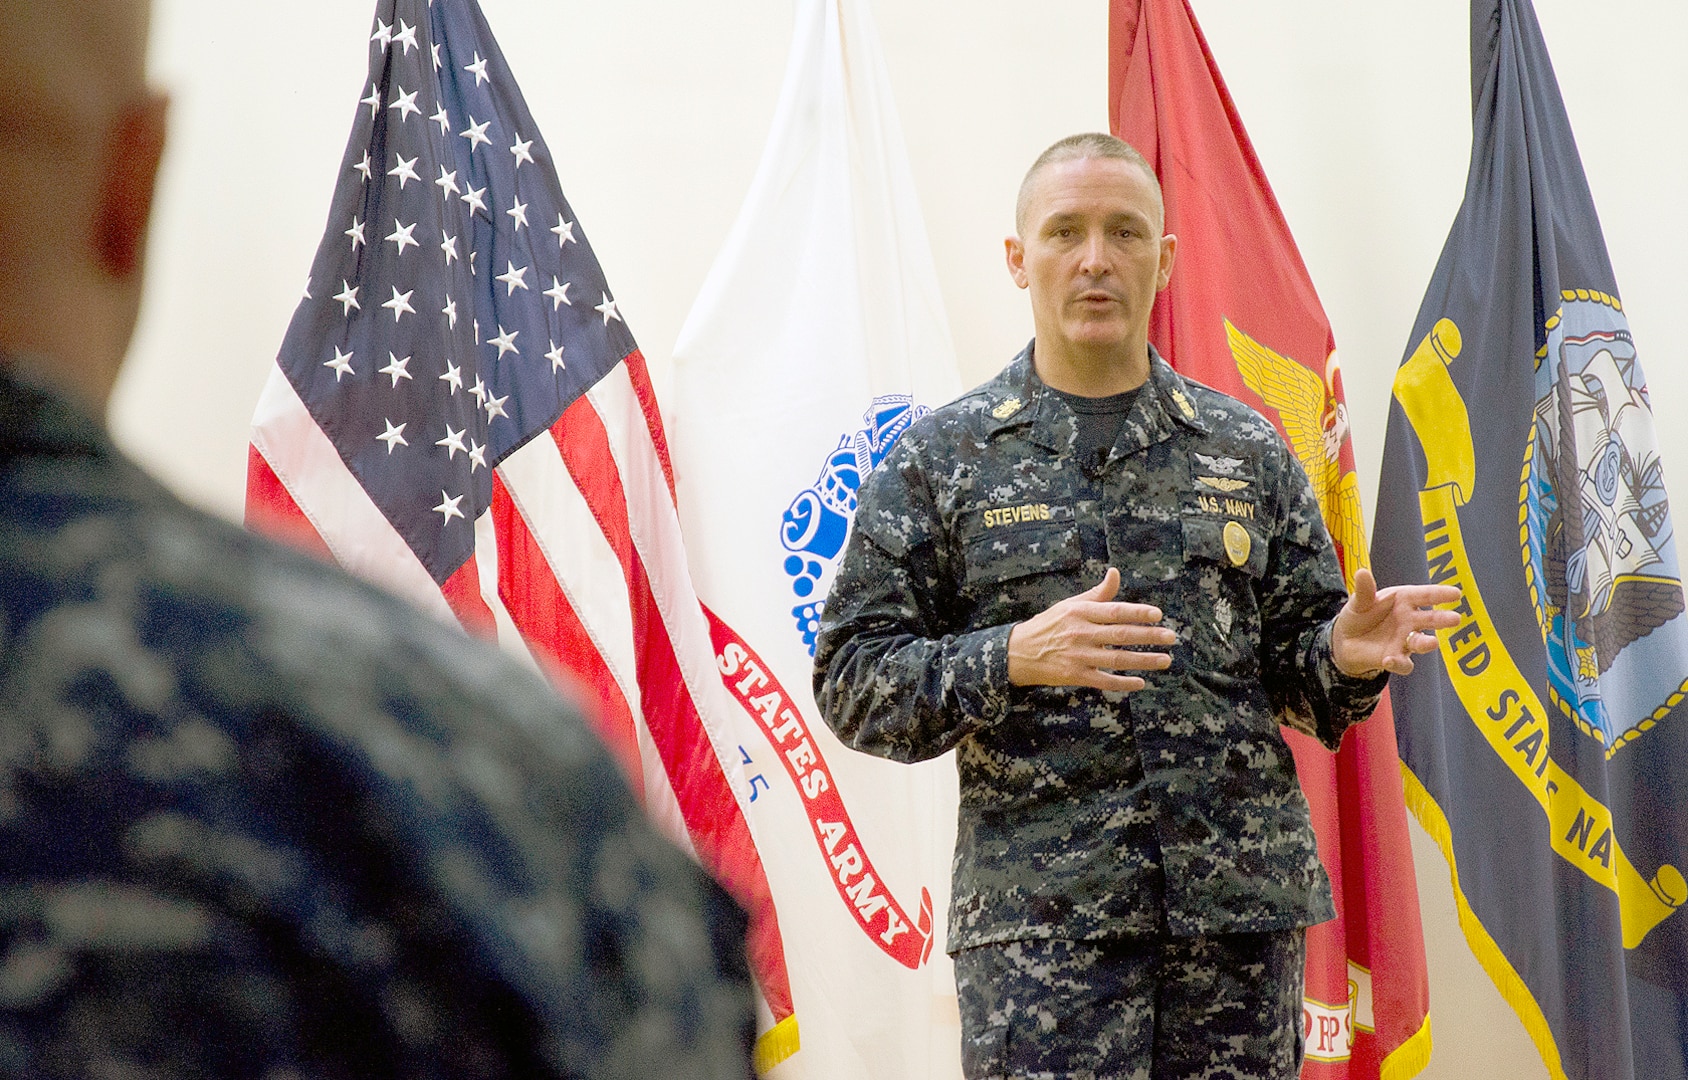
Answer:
(258, 819)
(1105, 586)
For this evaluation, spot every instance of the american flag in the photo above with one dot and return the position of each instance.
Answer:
(460, 413)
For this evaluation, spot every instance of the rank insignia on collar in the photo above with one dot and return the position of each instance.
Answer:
(1184, 405)
(1237, 543)
(1007, 408)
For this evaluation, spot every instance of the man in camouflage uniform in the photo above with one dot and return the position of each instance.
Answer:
(258, 820)
(1134, 861)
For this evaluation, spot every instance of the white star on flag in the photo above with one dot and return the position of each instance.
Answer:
(607, 309)
(555, 356)
(405, 104)
(453, 377)
(564, 231)
(476, 133)
(404, 170)
(400, 303)
(520, 149)
(478, 69)
(517, 212)
(373, 100)
(342, 364)
(397, 368)
(393, 436)
(513, 278)
(348, 297)
(364, 167)
(447, 509)
(453, 442)
(442, 120)
(401, 235)
(559, 293)
(505, 341)
(406, 36)
(356, 233)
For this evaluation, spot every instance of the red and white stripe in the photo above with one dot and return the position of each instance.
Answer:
(579, 564)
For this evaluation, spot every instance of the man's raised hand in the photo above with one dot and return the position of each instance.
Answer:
(1086, 640)
(1380, 631)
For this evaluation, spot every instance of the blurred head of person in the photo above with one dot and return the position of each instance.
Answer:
(81, 135)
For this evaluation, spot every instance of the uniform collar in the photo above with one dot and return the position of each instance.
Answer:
(1019, 399)
(35, 420)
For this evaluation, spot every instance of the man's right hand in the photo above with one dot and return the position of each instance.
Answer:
(1085, 640)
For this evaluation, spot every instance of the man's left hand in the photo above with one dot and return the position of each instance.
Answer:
(1380, 631)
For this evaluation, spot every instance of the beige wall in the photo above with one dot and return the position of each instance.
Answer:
(656, 113)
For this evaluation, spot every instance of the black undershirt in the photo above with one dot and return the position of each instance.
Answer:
(1099, 422)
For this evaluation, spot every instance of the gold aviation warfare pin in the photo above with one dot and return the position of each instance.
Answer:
(1228, 485)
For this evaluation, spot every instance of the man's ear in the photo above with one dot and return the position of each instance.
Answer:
(1168, 252)
(1015, 249)
(134, 147)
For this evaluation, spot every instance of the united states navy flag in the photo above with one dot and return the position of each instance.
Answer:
(1546, 750)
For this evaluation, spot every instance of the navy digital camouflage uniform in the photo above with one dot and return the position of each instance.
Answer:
(1204, 1006)
(258, 820)
(1086, 815)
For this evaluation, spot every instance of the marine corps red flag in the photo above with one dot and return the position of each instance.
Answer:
(1241, 315)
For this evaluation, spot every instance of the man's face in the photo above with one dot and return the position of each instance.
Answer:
(1091, 253)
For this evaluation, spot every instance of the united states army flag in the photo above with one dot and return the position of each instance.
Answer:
(818, 337)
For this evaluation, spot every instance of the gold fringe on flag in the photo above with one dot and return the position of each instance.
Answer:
(1489, 954)
(775, 1045)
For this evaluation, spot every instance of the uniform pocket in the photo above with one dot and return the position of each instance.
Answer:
(1231, 543)
(1002, 555)
(985, 1054)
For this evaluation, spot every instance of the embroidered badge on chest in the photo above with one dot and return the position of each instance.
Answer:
(1237, 543)
(1221, 466)
(1229, 485)
(1007, 408)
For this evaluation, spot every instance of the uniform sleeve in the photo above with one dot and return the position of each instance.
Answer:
(891, 676)
(1302, 593)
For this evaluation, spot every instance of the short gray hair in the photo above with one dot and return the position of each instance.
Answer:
(1085, 145)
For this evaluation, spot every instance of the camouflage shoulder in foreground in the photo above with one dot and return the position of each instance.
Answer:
(261, 820)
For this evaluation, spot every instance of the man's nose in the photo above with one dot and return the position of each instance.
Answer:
(1095, 254)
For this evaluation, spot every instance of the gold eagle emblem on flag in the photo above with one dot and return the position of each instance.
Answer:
(1315, 421)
